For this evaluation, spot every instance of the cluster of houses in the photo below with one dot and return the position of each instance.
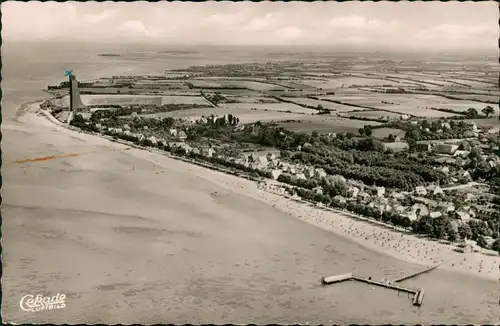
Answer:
(376, 198)
(178, 135)
(422, 207)
(271, 163)
(483, 136)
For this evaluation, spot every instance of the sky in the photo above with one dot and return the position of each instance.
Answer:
(401, 25)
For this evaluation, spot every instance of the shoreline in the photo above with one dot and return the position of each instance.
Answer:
(373, 235)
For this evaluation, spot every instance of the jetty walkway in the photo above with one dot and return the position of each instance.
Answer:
(418, 294)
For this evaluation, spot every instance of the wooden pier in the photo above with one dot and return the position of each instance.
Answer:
(418, 295)
(404, 278)
(386, 285)
(336, 278)
(418, 298)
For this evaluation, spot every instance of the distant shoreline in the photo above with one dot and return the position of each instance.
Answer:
(108, 55)
(177, 52)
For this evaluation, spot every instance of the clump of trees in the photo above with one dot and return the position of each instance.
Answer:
(365, 131)
(436, 129)
(439, 228)
(488, 110)
(472, 113)
(64, 84)
(218, 98)
(79, 121)
(321, 110)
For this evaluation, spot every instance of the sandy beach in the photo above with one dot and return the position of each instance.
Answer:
(407, 247)
(132, 236)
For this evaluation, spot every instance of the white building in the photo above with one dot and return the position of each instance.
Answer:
(412, 215)
(153, 140)
(421, 191)
(209, 152)
(300, 176)
(446, 207)
(445, 170)
(399, 209)
(320, 173)
(438, 191)
(435, 214)
(461, 153)
(420, 209)
(182, 136)
(271, 157)
(339, 199)
(353, 191)
(463, 216)
(446, 148)
(276, 173)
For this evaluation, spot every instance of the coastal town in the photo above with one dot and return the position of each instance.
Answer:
(260, 163)
(436, 176)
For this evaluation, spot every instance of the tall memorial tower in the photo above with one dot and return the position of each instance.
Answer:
(75, 102)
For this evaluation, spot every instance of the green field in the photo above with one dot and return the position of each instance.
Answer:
(373, 114)
(486, 123)
(327, 105)
(269, 106)
(184, 100)
(103, 99)
(413, 104)
(475, 84)
(384, 132)
(323, 124)
(173, 82)
(244, 114)
(120, 99)
(333, 83)
(476, 97)
(253, 99)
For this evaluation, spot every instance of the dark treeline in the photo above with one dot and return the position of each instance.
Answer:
(360, 159)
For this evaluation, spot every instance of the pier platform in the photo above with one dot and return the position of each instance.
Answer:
(401, 279)
(418, 295)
